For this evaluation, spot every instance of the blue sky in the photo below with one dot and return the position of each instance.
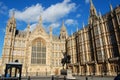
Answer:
(53, 12)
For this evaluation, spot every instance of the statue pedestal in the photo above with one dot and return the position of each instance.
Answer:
(64, 72)
(69, 75)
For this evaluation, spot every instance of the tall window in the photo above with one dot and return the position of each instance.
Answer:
(99, 55)
(110, 26)
(96, 31)
(38, 52)
(97, 42)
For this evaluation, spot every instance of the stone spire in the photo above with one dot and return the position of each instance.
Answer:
(13, 13)
(12, 19)
(83, 25)
(91, 3)
(93, 13)
(50, 29)
(100, 16)
(28, 30)
(63, 28)
(40, 21)
(77, 28)
(92, 9)
(63, 32)
(28, 27)
(111, 8)
(12, 22)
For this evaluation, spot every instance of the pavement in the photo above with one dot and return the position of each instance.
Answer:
(62, 78)
(77, 78)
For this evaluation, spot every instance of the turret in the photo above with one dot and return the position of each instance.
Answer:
(28, 29)
(11, 25)
(100, 16)
(83, 25)
(40, 21)
(10, 35)
(92, 9)
(63, 32)
(111, 8)
(93, 13)
(77, 28)
(50, 32)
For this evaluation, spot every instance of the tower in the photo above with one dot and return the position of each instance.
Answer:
(63, 32)
(111, 8)
(93, 28)
(50, 29)
(93, 13)
(28, 30)
(40, 21)
(11, 25)
(9, 39)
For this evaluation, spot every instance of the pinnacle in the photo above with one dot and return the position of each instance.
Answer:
(63, 28)
(40, 20)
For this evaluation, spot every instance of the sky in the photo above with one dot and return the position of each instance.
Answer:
(72, 12)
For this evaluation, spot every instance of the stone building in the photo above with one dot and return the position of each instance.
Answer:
(95, 49)
(39, 52)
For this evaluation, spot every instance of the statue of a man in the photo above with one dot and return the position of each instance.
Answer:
(65, 60)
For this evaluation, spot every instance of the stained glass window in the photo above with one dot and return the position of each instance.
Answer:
(38, 52)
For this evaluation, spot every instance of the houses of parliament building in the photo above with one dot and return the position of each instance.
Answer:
(94, 50)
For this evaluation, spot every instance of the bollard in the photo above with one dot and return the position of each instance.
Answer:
(64, 78)
(28, 77)
(86, 78)
(52, 77)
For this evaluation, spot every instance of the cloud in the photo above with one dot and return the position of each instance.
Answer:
(54, 25)
(50, 14)
(87, 1)
(3, 8)
(71, 22)
(78, 15)
(29, 14)
(32, 27)
(57, 11)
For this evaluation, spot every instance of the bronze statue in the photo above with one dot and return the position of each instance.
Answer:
(65, 60)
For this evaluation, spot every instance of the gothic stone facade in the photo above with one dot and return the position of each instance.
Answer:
(95, 49)
(39, 52)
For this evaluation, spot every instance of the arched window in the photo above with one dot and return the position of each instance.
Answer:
(38, 55)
